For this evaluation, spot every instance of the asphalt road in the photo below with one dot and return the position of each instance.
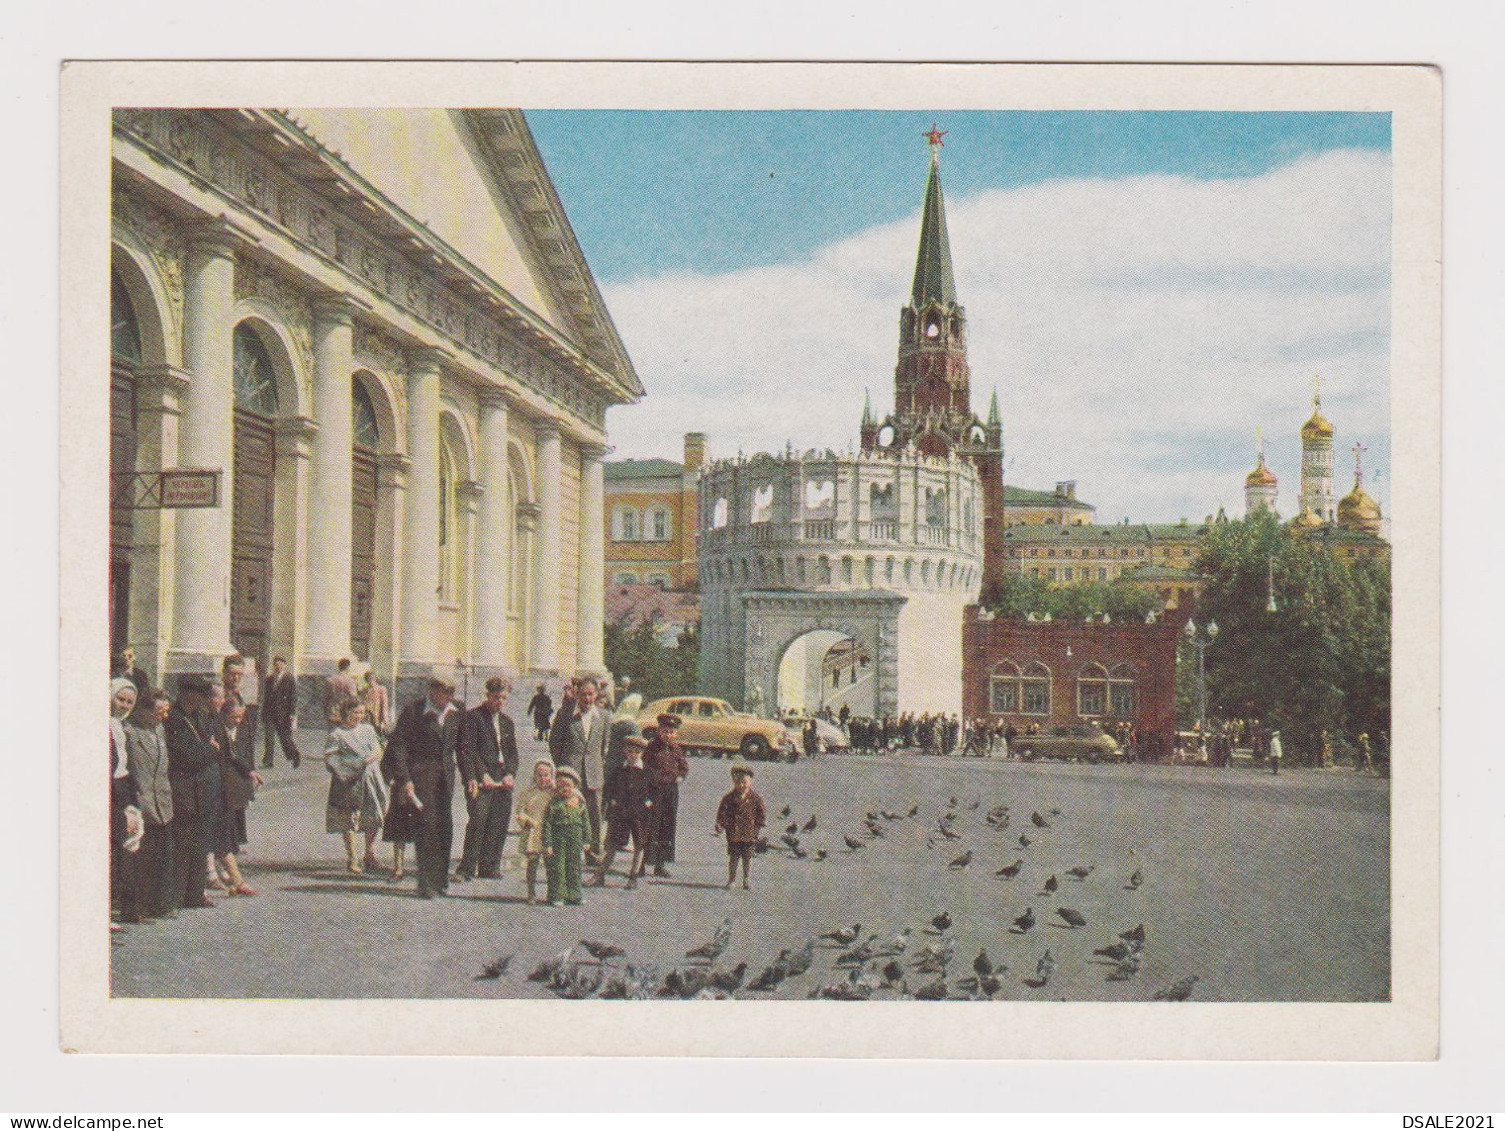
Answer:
(1266, 888)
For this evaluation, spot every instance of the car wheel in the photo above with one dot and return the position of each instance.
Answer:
(755, 748)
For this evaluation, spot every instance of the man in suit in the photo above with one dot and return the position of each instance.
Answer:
(194, 739)
(422, 758)
(488, 763)
(578, 740)
(279, 704)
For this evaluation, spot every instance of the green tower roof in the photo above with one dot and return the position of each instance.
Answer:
(933, 279)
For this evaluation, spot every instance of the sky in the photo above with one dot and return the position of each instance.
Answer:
(1142, 289)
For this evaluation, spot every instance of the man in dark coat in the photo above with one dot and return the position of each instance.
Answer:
(541, 707)
(422, 757)
(488, 763)
(279, 703)
(193, 755)
(667, 767)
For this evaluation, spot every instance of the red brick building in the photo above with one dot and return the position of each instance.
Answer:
(1070, 673)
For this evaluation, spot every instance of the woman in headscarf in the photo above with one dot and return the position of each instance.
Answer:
(125, 818)
(358, 794)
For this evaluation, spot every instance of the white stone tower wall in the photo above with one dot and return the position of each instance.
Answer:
(1317, 477)
(1259, 497)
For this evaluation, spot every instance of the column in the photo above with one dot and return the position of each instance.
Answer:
(420, 526)
(159, 393)
(545, 619)
(327, 636)
(491, 645)
(591, 614)
(206, 438)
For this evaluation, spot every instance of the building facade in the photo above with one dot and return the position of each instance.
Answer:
(651, 529)
(379, 328)
(1027, 673)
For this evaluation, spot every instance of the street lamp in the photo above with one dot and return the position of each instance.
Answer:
(1201, 646)
(1270, 606)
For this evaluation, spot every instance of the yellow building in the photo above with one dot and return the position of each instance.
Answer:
(651, 532)
(1158, 556)
(1060, 507)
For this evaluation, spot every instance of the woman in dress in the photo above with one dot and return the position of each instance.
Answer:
(358, 793)
(239, 780)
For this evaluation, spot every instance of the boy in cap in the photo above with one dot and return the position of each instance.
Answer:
(629, 811)
(741, 816)
(566, 825)
(665, 761)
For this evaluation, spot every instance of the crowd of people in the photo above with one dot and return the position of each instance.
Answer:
(183, 774)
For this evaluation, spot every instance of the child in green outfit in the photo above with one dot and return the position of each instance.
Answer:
(566, 825)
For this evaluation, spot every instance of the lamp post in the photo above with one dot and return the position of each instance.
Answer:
(1201, 646)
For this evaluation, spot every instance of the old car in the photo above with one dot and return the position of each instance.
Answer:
(714, 726)
(832, 738)
(1069, 744)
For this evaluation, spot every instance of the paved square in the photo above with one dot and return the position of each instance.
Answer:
(1265, 888)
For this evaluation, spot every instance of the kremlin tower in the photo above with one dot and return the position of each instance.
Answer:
(1317, 497)
(1260, 487)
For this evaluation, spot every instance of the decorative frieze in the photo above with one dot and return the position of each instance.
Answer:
(211, 152)
(154, 231)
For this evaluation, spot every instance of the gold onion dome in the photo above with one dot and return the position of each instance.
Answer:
(1356, 508)
(1317, 426)
(1261, 476)
(1307, 518)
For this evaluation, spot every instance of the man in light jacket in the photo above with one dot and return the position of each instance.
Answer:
(149, 893)
(578, 740)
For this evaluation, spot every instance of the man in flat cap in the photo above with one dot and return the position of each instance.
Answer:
(194, 741)
(665, 761)
(422, 760)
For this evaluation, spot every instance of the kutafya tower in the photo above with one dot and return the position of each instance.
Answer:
(932, 381)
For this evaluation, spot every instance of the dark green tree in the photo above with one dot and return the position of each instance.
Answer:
(633, 648)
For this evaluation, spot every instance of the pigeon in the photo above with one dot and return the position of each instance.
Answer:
(791, 828)
(1134, 881)
(1038, 821)
(976, 805)
(983, 987)
(1178, 992)
(818, 854)
(1072, 917)
(933, 991)
(875, 828)
(1079, 873)
(685, 983)
(936, 954)
(1055, 812)
(887, 816)
(930, 841)
(1125, 969)
(798, 961)
(729, 980)
(896, 946)
(859, 954)
(961, 861)
(580, 984)
(844, 935)
(982, 964)
(942, 922)
(1045, 968)
(549, 968)
(853, 844)
(784, 812)
(792, 843)
(871, 815)
(1024, 841)
(614, 989)
(1025, 921)
(602, 951)
(945, 831)
(809, 826)
(1134, 936)
(1009, 871)
(1117, 951)
(952, 803)
(893, 973)
(770, 978)
(495, 969)
(1050, 886)
(914, 811)
(712, 950)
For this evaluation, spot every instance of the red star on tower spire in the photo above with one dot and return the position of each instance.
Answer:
(933, 135)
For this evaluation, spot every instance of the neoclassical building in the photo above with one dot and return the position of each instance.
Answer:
(378, 326)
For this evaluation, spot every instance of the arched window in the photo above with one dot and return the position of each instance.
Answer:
(624, 524)
(1092, 692)
(1121, 691)
(1003, 689)
(762, 503)
(255, 379)
(363, 413)
(820, 495)
(661, 524)
(719, 514)
(125, 331)
(1034, 690)
(935, 506)
(881, 497)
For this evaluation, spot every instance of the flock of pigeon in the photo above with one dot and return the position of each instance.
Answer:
(913, 963)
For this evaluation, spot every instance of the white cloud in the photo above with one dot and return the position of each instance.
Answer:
(1137, 331)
